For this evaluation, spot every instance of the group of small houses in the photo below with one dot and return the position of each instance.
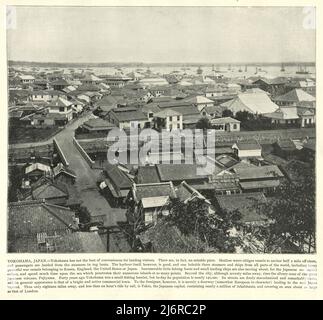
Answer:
(240, 180)
(150, 101)
(240, 177)
(45, 217)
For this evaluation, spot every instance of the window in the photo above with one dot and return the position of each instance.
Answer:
(235, 126)
(170, 118)
(309, 121)
(178, 118)
(178, 126)
(61, 109)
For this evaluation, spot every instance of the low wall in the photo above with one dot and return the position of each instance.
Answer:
(60, 152)
(221, 139)
(83, 153)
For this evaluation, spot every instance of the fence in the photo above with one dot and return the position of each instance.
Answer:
(83, 153)
(60, 152)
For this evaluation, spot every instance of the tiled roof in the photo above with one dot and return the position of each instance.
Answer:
(199, 100)
(263, 172)
(224, 120)
(97, 123)
(31, 217)
(147, 174)
(46, 189)
(149, 190)
(60, 102)
(82, 242)
(286, 144)
(295, 95)
(178, 172)
(248, 145)
(167, 113)
(285, 113)
(126, 114)
(117, 177)
(60, 168)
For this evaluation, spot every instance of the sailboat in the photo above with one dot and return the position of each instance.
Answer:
(302, 70)
(240, 70)
(256, 70)
(282, 68)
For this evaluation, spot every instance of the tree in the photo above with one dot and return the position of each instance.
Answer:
(244, 116)
(293, 213)
(84, 215)
(203, 123)
(193, 218)
(227, 113)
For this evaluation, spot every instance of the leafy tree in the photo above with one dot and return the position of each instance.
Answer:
(293, 213)
(203, 123)
(84, 215)
(227, 113)
(193, 218)
(244, 116)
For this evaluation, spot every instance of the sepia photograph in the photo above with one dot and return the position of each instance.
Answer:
(161, 129)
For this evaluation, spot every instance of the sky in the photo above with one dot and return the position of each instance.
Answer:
(161, 34)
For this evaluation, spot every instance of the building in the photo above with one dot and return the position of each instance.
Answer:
(116, 81)
(200, 102)
(128, 117)
(33, 225)
(307, 85)
(152, 82)
(63, 108)
(62, 174)
(212, 112)
(285, 148)
(273, 86)
(182, 172)
(59, 84)
(151, 200)
(91, 79)
(169, 120)
(294, 98)
(26, 79)
(47, 95)
(53, 192)
(226, 124)
(115, 184)
(247, 149)
(37, 170)
(292, 116)
(96, 127)
(256, 103)
(262, 179)
(80, 242)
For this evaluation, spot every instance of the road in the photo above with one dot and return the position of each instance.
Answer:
(87, 178)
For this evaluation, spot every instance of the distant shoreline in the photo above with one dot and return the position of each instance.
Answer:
(144, 64)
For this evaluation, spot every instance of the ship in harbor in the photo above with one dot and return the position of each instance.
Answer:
(302, 70)
(282, 69)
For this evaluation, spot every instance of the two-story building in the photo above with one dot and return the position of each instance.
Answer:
(169, 120)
